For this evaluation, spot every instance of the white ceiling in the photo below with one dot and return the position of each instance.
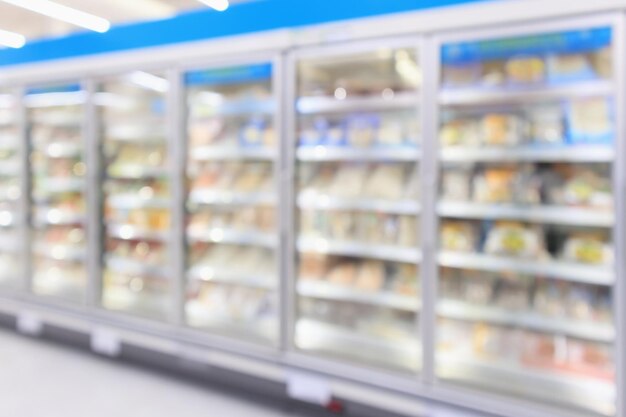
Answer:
(34, 25)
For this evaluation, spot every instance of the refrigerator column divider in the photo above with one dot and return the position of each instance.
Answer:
(175, 110)
(24, 202)
(429, 56)
(287, 188)
(619, 236)
(93, 187)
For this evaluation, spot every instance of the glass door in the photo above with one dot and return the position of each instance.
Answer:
(11, 220)
(357, 206)
(137, 273)
(232, 224)
(526, 261)
(56, 117)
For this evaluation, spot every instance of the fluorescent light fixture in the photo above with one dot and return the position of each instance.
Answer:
(219, 5)
(149, 81)
(64, 13)
(12, 39)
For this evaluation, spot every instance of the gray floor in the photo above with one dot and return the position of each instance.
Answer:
(41, 379)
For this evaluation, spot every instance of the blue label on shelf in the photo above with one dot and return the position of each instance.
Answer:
(559, 42)
(229, 75)
(66, 88)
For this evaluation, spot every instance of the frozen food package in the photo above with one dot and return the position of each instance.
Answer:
(588, 248)
(336, 134)
(501, 130)
(460, 132)
(586, 187)
(313, 265)
(550, 298)
(547, 125)
(477, 287)
(386, 182)
(252, 177)
(581, 302)
(371, 276)
(343, 273)
(405, 279)
(461, 75)
(525, 69)
(341, 225)
(512, 294)
(252, 133)
(412, 191)
(408, 231)
(590, 120)
(495, 185)
(315, 133)
(205, 132)
(362, 130)
(349, 181)
(602, 62)
(319, 180)
(569, 67)
(392, 132)
(515, 239)
(458, 236)
(456, 185)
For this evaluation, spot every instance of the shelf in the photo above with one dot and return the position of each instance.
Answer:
(59, 120)
(228, 276)
(361, 250)
(52, 185)
(243, 107)
(136, 172)
(147, 134)
(564, 215)
(235, 237)
(61, 150)
(134, 201)
(568, 271)
(321, 289)
(315, 201)
(530, 153)
(459, 310)
(218, 153)
(130, 266)
(60, 252)
(317, 105)
(223, 197)
(314, 335)
(525, 94)
(54, 216)
(130, 232)
(527, 381)
(382, 154)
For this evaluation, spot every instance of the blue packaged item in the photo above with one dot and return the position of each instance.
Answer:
(566, 68)
(590, 121)
(316, 134)
(336, 134)
(362, 130)
(251, 134)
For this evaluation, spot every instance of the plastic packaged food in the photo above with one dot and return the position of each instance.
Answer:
(344, 273)
(371, 276)
(456, 185)
(349, 181)
(569, 67)
(391, 132)
(313, 266)
(587, 188)
(458, 236)
(547, 125)
(361, 131)
(405, 279)
(386, 182)
(461, 75)
(525, 69)
(462, 132)
(501, 130)
(588, 248)
(590, 120)
(515, 239)
(495, 185)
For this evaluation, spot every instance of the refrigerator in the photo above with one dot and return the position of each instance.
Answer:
(132, 119)
(58, 230)
(356, 153)
(526, 213)
(11, 190)
(231, 223)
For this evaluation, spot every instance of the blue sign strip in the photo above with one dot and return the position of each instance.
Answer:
(204, 24)
(229, 75)
(561, 42)
(67, 88)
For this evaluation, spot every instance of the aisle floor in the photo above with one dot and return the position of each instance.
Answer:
(39, 378)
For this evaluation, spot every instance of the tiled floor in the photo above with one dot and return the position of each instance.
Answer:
(41, 379)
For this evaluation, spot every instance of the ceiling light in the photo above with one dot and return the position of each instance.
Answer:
(64, 13)
(11, 39)
(149, 81)
(219, 5)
